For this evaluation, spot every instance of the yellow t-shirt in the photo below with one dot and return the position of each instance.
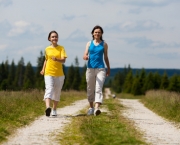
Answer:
(54, 68)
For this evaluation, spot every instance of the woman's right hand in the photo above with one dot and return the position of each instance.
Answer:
(85, 57)
(42, 72)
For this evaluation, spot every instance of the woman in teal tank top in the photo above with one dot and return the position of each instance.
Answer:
(96, 53)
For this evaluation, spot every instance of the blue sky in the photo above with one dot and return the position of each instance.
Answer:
(142, 33)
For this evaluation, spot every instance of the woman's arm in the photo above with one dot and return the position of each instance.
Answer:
(61, 60)
(43, 69)
(85, 56)
(106, 59)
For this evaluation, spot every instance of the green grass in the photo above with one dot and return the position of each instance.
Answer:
(164, 103)
(106, 129)
(18, 109)
(129, 96)
(126, 95)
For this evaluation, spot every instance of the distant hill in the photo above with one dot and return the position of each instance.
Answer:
(170, 72)
(114, 71)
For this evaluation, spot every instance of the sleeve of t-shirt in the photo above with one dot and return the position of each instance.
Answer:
(45, 54)
(63, 53)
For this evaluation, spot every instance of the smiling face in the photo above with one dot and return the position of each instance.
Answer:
(53, 38)
(97, 33)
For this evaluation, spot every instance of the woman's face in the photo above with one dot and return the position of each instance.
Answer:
(97, 33)
(53, 38)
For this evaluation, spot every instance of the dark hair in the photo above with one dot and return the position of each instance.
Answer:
(97, 27)
(51, 33)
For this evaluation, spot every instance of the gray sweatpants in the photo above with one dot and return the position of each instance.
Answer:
(95, 80)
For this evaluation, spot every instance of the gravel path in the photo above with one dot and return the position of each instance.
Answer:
(44, 129)
(107, 93)
(157, 130)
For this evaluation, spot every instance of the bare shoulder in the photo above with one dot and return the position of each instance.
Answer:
(88, 44)
(105, 44)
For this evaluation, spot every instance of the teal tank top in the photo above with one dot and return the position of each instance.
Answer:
(96, 55)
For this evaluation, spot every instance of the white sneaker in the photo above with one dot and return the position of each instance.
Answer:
(54, 113)
(97, 112)
(90, 111)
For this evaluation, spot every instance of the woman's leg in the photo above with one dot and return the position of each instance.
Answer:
(90, 79)
(58, 84)
(48, 102)
(100, 79)
(49, 82)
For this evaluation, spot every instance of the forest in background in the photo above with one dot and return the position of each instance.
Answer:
(136, 81)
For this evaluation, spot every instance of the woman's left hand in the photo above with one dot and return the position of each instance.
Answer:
(54, 58)
(108, 72)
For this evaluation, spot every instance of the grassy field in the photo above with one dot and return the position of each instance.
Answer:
(129, 96)
(164, 103)
(109, 128)
(18, 109)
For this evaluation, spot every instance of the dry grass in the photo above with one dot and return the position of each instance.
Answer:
(19, 108)
(166, 104)
(106, 129)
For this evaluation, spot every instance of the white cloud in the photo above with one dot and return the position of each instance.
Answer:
(68, 17)
(5, 3)
(135, 11)
(19, 27)
(3, 47)
(143, 42)
(131, 26)
(78, 36)
(150, 3)
(29, 50)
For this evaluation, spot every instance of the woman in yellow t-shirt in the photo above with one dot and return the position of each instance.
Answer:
(52, 70)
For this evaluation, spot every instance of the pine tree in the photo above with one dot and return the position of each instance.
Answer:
(39, 78)
(129, 68)
(11, 76)
(149, 82)
(6, 66)
(142, 80)
(20, 74)
(174, 84)
(3, 77)
(77, 77)
(118, 81)
(164, 82)
(28, 77)
(136, 86)
(69, 78)
(64, 70)
(83, 85)
(128, 82)
(157, 80)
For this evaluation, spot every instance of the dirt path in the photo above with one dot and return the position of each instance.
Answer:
(107, 93)
(156, 130)
(43, 131)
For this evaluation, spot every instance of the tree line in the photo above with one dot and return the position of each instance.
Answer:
(25, 77)
(140, 82)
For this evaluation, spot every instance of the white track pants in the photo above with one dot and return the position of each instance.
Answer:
(95, 79)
